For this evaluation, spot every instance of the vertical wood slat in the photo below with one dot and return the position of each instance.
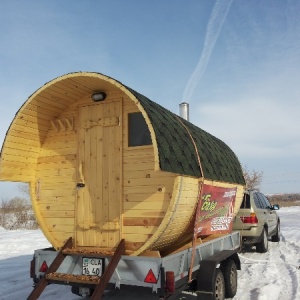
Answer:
(99, 187)
(81, 165)
(114, 212)
(105, 175)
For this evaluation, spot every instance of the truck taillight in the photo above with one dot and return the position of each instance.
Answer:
(170, 282)
(44, 267)
(252, 219)
(150, 278)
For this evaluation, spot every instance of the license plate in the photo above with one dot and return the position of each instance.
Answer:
(92, 266)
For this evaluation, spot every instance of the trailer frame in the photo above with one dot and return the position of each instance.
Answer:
(131, 271)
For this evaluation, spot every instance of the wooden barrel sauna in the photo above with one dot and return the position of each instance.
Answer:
(105, 163)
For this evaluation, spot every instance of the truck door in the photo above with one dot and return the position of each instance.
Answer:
(98, 210)
(270, 214)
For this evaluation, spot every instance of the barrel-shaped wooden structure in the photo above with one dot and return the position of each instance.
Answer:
(105, 169)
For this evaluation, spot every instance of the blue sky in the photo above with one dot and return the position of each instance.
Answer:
(237, 63)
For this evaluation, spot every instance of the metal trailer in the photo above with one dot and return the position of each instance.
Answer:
(213, 275)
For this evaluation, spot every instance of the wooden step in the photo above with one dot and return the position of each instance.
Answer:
(52, 276)
(39, 288)
(73, 278)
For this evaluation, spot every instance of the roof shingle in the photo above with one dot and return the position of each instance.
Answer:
(176, 150)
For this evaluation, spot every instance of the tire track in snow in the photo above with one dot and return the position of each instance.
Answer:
(252, 265)
(288, 251)
(275, 272)
(296, 247)
(285, 276)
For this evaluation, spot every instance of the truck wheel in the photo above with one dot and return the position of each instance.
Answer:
(262, 246)
(219, 286)
(230, 277)
(276, 236)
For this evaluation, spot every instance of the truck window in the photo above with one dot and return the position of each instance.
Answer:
(246, 201)
(266, 201)
(259, 203)
(138, 131)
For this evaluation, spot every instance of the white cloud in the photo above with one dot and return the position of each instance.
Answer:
(214, 26)
(254, 127)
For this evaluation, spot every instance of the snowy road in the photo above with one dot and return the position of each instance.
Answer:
(275, 274)
(271, 276)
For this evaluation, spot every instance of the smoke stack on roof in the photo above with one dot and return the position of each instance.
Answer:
(184, 111)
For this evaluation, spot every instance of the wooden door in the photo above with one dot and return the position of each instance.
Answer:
(98, 211)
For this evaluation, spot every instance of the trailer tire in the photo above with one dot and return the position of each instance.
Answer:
(219, 286)
(75, 290)
(229, 270)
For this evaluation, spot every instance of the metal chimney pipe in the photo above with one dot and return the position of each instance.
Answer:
(184, 111)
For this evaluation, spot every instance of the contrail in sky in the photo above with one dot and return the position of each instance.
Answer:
(214, 26)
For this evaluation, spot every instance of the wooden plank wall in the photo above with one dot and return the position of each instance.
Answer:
(56, 179)
(25, 136)
(179, 214)
(54, 184)
(146, 193)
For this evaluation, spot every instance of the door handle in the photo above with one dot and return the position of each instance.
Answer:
(80, 185)
(81, 176)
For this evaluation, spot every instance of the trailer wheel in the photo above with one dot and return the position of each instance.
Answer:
(75, 290)
(229, 270)
(219, 286)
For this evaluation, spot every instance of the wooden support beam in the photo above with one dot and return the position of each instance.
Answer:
(53, 125)
(39, 288)
(70, 123)
(61, 124)
(64, 124)
(99, 290)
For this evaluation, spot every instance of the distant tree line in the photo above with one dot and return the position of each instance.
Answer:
(17, 213)
(285, 199)
(253, 180)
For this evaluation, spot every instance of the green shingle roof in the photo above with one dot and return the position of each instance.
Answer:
(177, 152)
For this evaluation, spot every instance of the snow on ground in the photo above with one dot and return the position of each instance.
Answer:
(275, 274)
(271, 276)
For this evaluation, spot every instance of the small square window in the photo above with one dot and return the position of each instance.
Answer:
(138, 131)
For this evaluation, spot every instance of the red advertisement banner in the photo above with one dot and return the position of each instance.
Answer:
(216, 210)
